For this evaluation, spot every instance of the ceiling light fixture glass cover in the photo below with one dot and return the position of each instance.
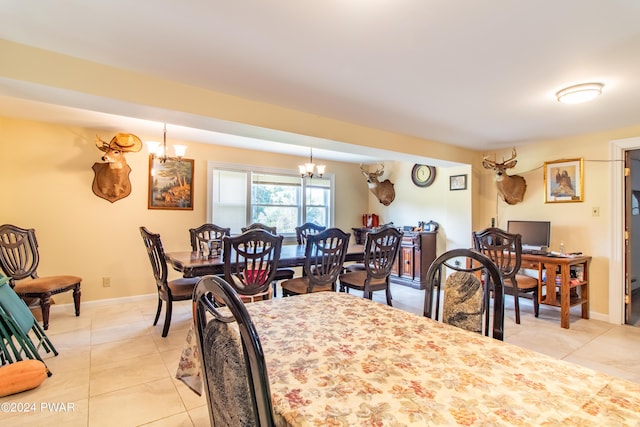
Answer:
(580, 93)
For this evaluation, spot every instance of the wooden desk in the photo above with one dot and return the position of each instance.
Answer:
(336, 359)
(572, 292)
(194, 264)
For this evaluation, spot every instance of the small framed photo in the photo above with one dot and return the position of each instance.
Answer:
(458, 182)
(564, 181)
(170, 184)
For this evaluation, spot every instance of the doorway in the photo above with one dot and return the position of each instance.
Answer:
(632, 221)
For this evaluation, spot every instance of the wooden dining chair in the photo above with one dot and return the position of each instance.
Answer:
(306, 229)
(250, 263)
(234, 371)
(168, 290)
(206, 232)
(19, 259)
(381, 252)
(324, 258)
(505, 250)
(470, 284)
(282, 273)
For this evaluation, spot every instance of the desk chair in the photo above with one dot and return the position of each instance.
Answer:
(505, 250)
(381, 251)
(234, 370)
(467, 300)
(250, 263)
(281, 273)
(324, 257)
(168, 290)
(19, 259)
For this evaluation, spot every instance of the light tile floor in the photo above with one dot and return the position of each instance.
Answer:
(114, 367)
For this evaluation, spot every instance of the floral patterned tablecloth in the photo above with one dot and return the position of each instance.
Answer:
(335, 359)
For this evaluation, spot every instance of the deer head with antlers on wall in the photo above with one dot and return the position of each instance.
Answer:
(383, 191)
(111, 180)
(511, 188)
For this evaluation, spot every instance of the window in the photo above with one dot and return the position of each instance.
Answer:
(239, 195)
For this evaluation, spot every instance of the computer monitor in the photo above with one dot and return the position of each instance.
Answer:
(535, 234)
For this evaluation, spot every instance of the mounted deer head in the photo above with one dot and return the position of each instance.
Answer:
(383, 191)
(111, 180)
(510, 187)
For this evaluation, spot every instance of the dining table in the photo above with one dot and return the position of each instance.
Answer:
(338, 359)
(198, 263)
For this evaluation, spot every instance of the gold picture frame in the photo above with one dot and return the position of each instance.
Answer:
(564, 181)
(170, 184)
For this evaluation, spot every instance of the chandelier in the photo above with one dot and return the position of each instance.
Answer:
(307, 170)
(160, 151)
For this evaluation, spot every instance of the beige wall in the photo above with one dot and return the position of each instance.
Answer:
(571, 223)
(46, 179)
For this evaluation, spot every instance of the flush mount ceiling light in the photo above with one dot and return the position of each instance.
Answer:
(580, 93)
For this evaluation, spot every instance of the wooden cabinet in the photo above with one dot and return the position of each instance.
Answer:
(416, 254)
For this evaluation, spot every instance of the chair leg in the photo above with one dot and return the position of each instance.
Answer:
(388, 292)
(516, 300)
(76, 299)
(275, 289)
(536, 303)
(45, 306)
(155, 321)
(167, 319)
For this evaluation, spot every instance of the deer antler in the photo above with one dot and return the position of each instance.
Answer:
(491, 163)
(513, 156)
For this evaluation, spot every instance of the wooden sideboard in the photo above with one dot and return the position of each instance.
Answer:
(416, 254)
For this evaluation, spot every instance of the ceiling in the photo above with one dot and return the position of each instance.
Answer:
(478, 74)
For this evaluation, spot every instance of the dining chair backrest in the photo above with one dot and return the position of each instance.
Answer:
(504, 249)
(259, 226)
(234, 370)
(381, 252)
(471, 272)
(324, 257)
(251, 260)
(306, 229)
(205, 233)
(156, 257)
(19, 257)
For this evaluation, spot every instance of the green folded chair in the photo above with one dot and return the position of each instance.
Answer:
(21, 334)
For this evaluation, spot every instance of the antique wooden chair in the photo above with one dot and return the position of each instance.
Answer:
(381, 251)
(250, 263)
(475, 282)
(19, 259)
(505, 250)
(304, 230)
(324, 257)
(281, 273)
(168, 290)
(234, 371)
(205, 233)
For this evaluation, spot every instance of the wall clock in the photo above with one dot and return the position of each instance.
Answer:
(423, 175)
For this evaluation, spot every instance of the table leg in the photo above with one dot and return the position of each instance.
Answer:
(565, 296)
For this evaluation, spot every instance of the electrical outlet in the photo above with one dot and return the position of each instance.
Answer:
(106, 282)
(595, 211)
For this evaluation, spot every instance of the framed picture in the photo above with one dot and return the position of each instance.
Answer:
(170, 184)
(564, 181)
(458, 182)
